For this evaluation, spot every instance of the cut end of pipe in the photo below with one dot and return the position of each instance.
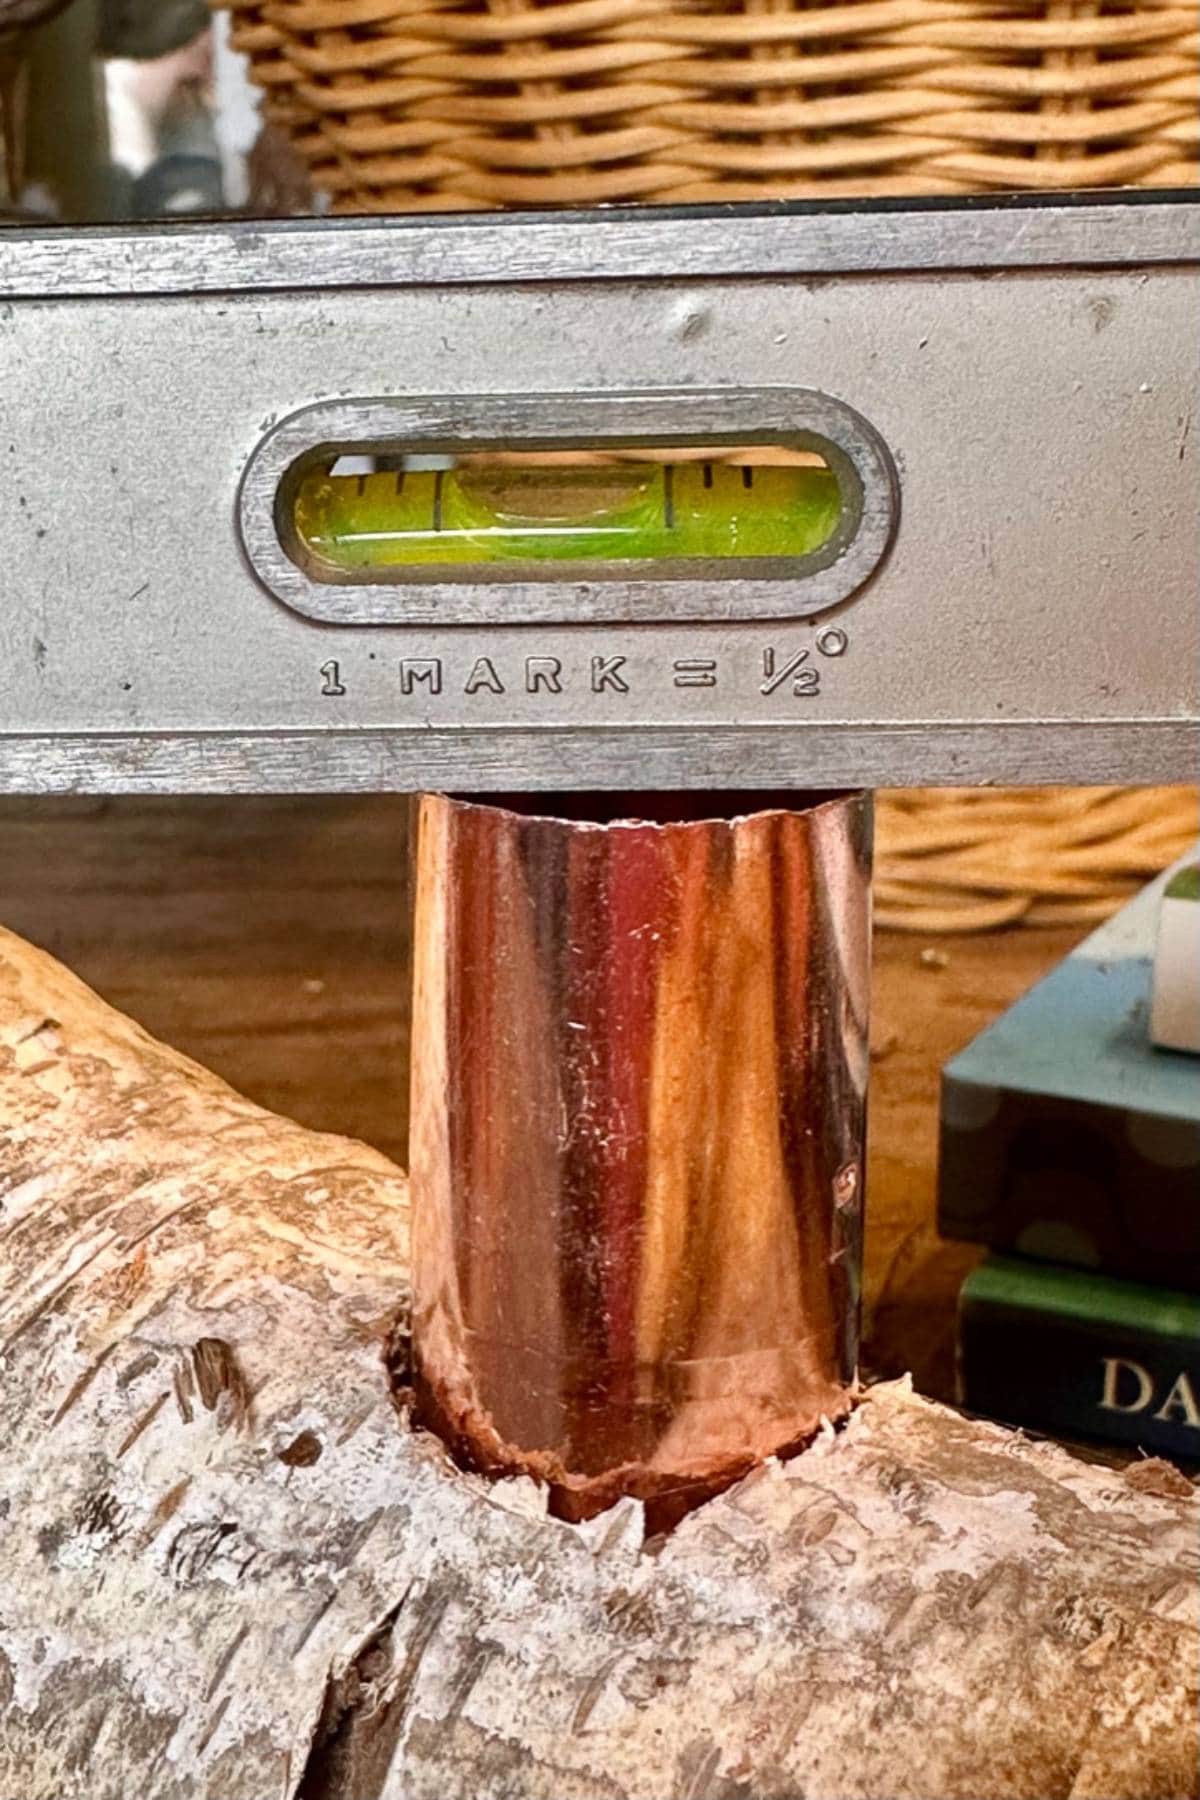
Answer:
(667, 1495)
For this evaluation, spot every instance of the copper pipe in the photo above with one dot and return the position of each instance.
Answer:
(639, 1070)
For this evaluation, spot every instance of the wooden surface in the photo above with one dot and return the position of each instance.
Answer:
(267, 939)
(230, 1568)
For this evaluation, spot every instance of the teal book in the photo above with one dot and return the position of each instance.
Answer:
(1066, 1133)
(1076, 1354)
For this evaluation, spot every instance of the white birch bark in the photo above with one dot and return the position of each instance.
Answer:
(228, 1569)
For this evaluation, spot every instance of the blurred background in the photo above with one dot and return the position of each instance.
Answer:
(119, 109)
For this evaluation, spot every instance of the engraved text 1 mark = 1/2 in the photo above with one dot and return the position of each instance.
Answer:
(331, 680)
(780, 670)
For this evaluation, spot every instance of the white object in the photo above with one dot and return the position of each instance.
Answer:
(1175, 1009)
(237, 121)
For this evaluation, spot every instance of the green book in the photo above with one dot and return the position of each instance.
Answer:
(1082, 1355)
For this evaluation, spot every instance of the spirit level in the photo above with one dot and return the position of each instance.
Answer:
(916, 499)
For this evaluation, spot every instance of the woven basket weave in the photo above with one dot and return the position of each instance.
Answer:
(971, 859)
(436, 105)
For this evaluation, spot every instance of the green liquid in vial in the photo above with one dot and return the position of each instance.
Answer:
(623, 512)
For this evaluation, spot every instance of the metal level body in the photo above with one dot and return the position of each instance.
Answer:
(1013, 385)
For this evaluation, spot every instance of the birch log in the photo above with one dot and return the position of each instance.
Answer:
(228, 1569)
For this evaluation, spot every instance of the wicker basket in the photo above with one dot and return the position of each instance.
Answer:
(438, 105)
(971, 859)
(434, 105)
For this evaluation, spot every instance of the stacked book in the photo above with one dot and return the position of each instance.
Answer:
(1070, 1146)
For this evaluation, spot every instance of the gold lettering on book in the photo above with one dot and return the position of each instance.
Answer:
(1111, 1400)
(1179, 1403)
(1182, 1401)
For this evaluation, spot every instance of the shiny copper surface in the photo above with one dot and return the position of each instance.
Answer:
(639, 1068)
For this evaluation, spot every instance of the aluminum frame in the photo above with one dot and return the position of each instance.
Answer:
(1029, 366)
